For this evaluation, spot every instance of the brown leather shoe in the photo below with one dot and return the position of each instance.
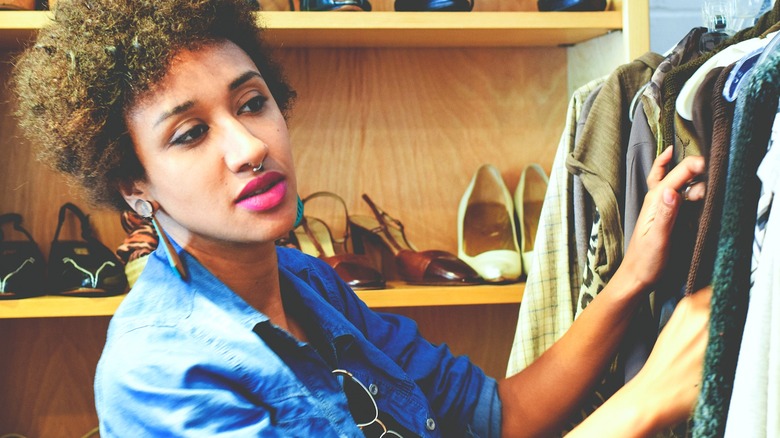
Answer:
(431, 267)
(313, 237)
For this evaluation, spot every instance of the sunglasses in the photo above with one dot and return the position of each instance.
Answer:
(363, 407)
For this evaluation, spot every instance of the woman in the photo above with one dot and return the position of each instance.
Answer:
(175, 109)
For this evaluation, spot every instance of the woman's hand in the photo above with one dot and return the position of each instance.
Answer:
(670, 381)
(649, 246)
(664, 392)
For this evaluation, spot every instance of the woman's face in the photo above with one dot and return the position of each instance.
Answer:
(198, 134)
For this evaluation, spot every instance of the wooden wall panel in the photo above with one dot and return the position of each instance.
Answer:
(47, 370)
(410, 127)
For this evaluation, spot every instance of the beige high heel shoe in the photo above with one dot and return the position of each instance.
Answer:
(529, 197)
(487, 239)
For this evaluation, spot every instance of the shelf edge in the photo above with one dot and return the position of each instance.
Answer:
(397, 295)
(390, 29)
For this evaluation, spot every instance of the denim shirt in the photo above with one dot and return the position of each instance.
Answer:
(191, 358)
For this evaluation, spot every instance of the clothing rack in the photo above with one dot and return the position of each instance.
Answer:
(712, 242)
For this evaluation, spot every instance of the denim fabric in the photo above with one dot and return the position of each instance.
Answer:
(193, 359)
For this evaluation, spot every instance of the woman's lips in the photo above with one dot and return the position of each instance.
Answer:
(264, 192)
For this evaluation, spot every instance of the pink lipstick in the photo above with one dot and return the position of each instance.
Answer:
(264, 192)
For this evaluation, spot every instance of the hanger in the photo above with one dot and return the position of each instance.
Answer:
(741, 71)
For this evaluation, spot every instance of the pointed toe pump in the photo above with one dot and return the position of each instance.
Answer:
(529, 197)
(313, 236)
(487, 239)
(432, 267)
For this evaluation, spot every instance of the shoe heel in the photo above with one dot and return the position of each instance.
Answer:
(372, 247)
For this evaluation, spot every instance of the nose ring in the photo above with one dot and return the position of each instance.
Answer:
(257, 168)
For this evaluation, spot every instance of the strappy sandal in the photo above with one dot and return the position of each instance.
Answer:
(432, 267)
(84, 268)
(313, 237)
(22, 269)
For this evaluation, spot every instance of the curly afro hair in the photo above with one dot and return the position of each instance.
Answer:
(96, 57)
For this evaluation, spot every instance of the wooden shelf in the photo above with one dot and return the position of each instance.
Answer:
(397, 295)
(392, 29)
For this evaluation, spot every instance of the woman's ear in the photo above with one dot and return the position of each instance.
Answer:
(132, 191)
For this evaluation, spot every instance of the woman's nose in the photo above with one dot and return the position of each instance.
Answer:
(243, 150)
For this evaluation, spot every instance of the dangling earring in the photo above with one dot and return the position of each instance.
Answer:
(299, 213)
(145, 209)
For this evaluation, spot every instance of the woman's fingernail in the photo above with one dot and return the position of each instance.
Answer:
(668, 196)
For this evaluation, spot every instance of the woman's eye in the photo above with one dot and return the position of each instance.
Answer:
(253, 105)
(191, 135)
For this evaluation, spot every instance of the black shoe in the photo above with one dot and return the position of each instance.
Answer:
(84, 268)
(572, 5)
(332, 5)
(434, 5)
(22, 270)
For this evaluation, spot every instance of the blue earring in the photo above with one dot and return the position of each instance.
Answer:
(299, 213)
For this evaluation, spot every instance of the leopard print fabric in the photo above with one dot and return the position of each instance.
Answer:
(141, 239)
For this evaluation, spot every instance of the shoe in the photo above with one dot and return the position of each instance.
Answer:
(571, 5)
(487, 239)
(431, 268)
(22, 269)
(434, 5)
(84, 268)
(313, 237)
(529, 197)
(331, 5)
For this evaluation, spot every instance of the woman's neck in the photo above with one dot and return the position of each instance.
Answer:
(252, 272)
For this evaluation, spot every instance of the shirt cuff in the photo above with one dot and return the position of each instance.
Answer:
(486, 422)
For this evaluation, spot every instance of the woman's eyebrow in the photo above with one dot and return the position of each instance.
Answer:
(178, 109)
(243, 78)
(187, 105)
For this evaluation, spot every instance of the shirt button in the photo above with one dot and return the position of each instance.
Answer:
(373, 389)
(430, 424)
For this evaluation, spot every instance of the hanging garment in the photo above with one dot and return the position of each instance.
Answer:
(640, 154)
(598, 159)
(685, 51)
(701, 124)
(547, 311)
(582, 204)
(755, 402)
(729, 55)
(755, 110)
(703, 258)
(675, 78)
